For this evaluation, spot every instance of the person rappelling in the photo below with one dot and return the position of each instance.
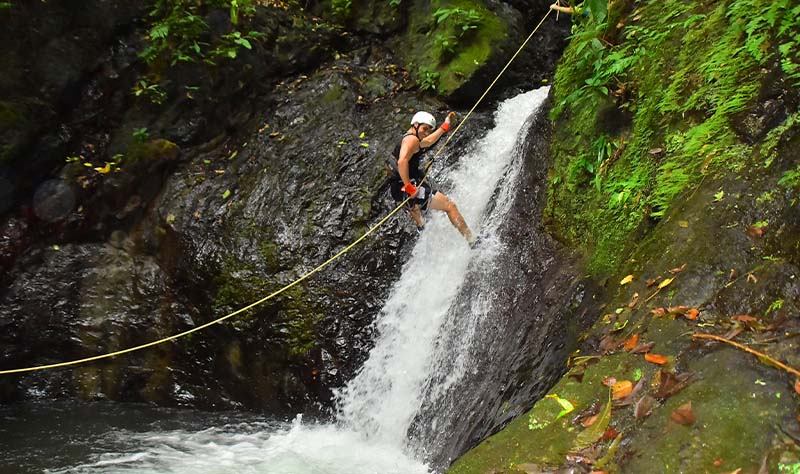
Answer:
(406, 177)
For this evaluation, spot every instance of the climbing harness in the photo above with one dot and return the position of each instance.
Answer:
(305, 276)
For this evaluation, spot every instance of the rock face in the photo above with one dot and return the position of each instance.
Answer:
(540, 304)
(683, 202)
(250, 174)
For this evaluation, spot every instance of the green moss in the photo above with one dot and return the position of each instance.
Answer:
(736, 417)
(334, 94)
(5, 152)
(681, 71)
(152, 150)
(270, 253)
(9, 116)
(548, 445)
(291, 314)
(424, 53)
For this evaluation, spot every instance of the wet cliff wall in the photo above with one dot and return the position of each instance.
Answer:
(164, 164)
(673, 171)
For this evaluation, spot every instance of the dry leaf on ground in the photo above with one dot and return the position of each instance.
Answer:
(626, 280)
(683, 415)
(655, 358)
(621, 389)
(669, 383)
(631, 342)
(644, 407)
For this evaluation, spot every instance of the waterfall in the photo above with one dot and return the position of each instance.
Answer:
(422, 349)
(383, 399)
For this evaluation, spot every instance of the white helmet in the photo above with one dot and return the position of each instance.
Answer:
(423, 118)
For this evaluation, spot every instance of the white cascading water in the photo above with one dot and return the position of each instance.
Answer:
(376, 409)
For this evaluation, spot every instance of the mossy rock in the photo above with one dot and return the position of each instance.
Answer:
(609, 185)
(421, 48)
(9, 116)
(738, 419)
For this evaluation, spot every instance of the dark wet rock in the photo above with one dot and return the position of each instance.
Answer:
(776, 101)
(266, 167)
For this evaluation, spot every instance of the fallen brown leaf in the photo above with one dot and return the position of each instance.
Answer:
(609, 381)
(589, 421)
(659, 311)
(797, 386)
(610, 433)
(683, 415)
(623, 402)
(678, 309)
(733, 332)
(652, 281)
(754, 232)
(669, 383)
(621, 389)
(655, 358)
(692, 314)
(778, 321)
(609, 343)
(744, 318)
(634, 300)
(718, 462)
(752, 278)
(734, 273)
(644, 407)
(642, 348)
(675, 271)
(631, 342)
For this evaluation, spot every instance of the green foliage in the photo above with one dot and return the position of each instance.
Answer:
(341, 8)
(395, 3)
(451, 27)
(428, 80)
(180, 34)
(604, 66)
(446, 43)
(769, 23)
(92, 170)
(231, 42)
(153, 92)
(141, 134)
(791, 178)
(5, 5)
(598, 9)
(682, 71)
(461, 20)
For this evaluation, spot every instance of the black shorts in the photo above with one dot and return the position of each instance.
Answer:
(396, 189)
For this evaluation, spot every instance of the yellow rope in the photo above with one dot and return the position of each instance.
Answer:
(295, 282)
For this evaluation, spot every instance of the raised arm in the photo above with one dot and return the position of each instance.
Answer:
(437, 134)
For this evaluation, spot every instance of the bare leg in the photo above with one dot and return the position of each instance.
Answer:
(440, 202)
(416, 216)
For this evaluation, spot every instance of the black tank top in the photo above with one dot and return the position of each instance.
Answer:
(413, 164)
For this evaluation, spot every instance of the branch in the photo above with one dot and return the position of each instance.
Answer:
(747, 349)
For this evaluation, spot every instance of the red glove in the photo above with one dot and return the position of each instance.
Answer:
(409, 189)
